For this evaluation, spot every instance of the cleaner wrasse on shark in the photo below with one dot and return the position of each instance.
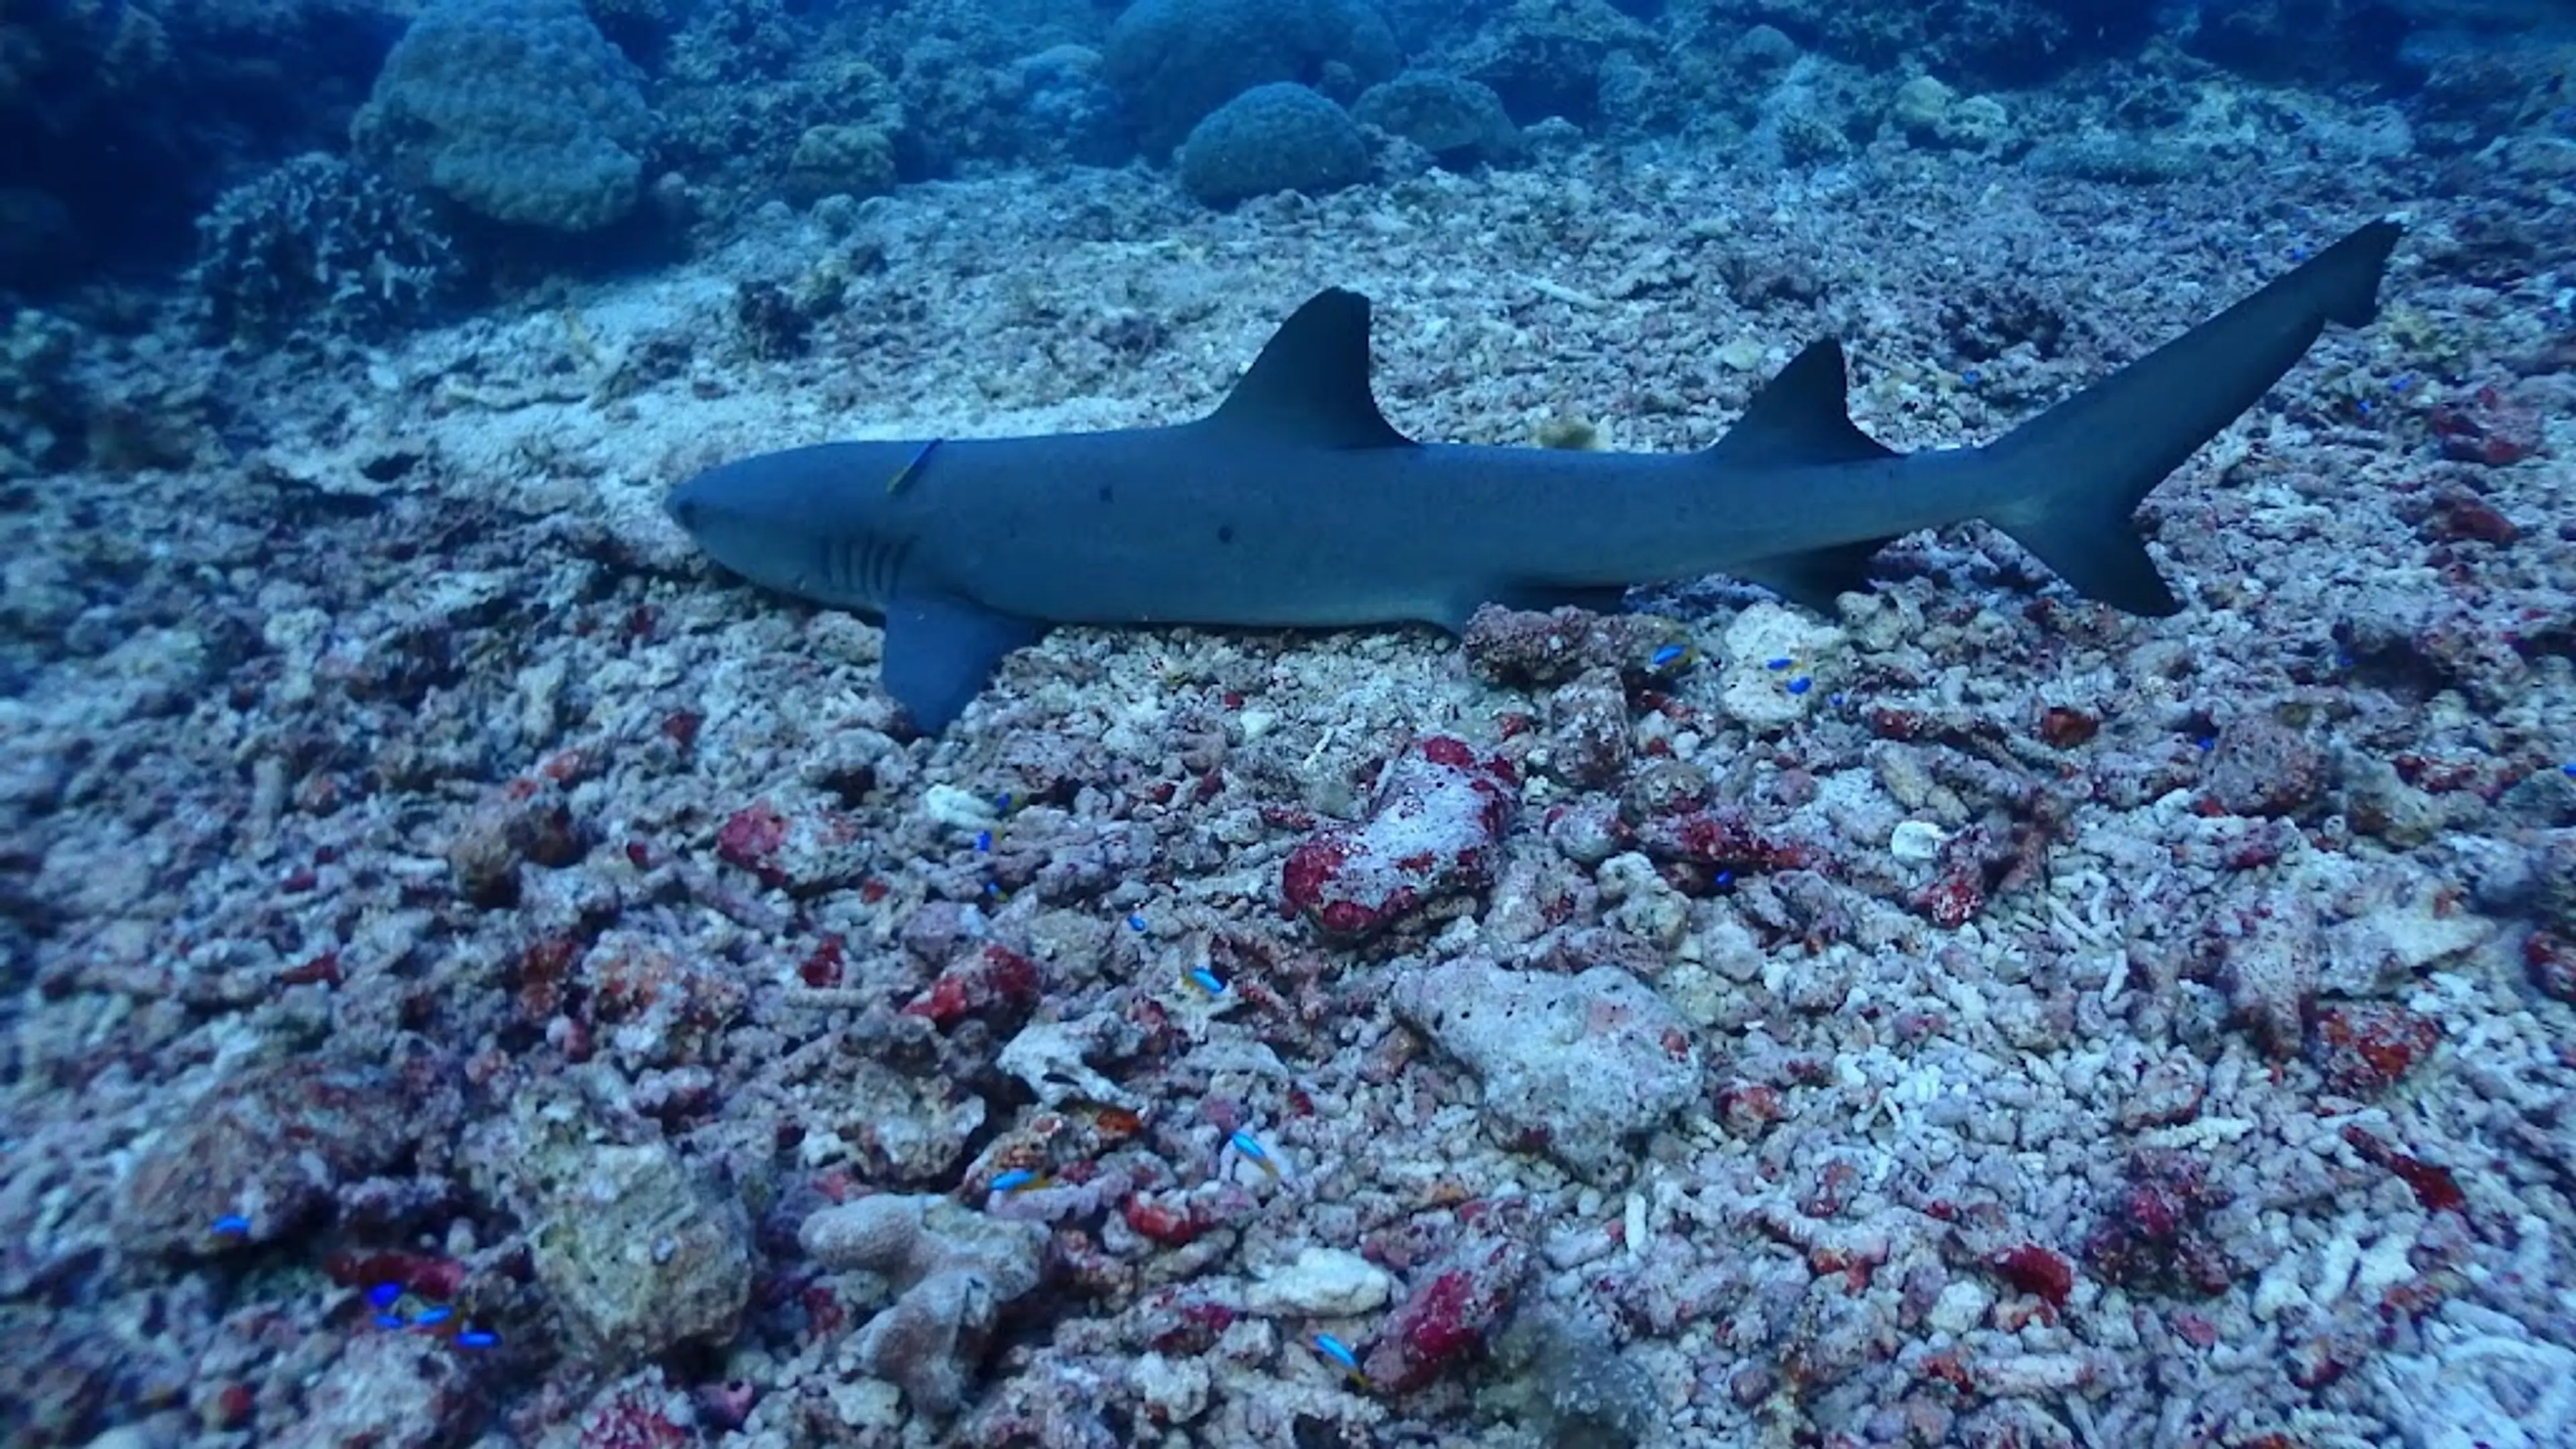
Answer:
(1295, 503)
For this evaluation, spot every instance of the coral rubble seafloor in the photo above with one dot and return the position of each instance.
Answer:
(479, 976)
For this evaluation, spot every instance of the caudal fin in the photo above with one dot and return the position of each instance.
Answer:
(2087, 461)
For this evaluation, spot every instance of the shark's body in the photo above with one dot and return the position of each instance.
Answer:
(1295, 503)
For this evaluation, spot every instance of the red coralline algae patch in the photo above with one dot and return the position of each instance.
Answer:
(636, 1413)
(2459, 516)
(2434, 1186)
(1717, 837)
(2037, 1271)
(2550, 958)
(1434, 830)
(1457, 1301)
(1171, 1219)
(427, 1275)
(823, 966)
(990, 981)
(806, 854)
(2484, 428)
(1174, 1321)
(2151, 1234)
(751, 836)
(2363, 1047)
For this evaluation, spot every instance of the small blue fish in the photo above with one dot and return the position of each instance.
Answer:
(1136, 920)
(1020, 1179)
(1781, 663)
(1251, 1148)
(1205, 980)
(477, 1338)
(983, 840)
(1340, 1353)
(912, 466)
(231, 1225)
(384, 1295)
(1801, 684)
(432, 1316)
(1669, 655)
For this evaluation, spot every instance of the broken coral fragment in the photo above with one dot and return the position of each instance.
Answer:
(952, 1271)
(1321, 1283)
(638, 1250)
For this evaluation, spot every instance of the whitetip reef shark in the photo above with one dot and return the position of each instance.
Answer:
(1295, 503)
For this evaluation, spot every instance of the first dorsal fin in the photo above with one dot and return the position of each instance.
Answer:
(1310, 385)
(1800, 416)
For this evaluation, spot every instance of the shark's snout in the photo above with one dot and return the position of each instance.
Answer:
(685, 505)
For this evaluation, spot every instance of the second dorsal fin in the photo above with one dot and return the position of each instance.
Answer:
(1800, 416)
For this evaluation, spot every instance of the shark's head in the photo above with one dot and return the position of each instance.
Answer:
(821, 523)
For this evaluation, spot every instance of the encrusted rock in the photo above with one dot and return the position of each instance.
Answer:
(1564, 1377)
(639, 1253)
(263, 1152)
(2261, 766)
(1573, 1066)
(2268, 958)
(1663, 787)
(1435, 829)
(1521, 648)
(1457, 1301)
(526, 822)
(391, 1390)
(1587, 729)
(1586, 831)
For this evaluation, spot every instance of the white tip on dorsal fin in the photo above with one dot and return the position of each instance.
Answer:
(1310, 385)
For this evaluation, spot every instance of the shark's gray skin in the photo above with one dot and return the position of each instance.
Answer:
(1295, 503)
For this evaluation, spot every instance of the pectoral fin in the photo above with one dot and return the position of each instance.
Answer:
(940, 652)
